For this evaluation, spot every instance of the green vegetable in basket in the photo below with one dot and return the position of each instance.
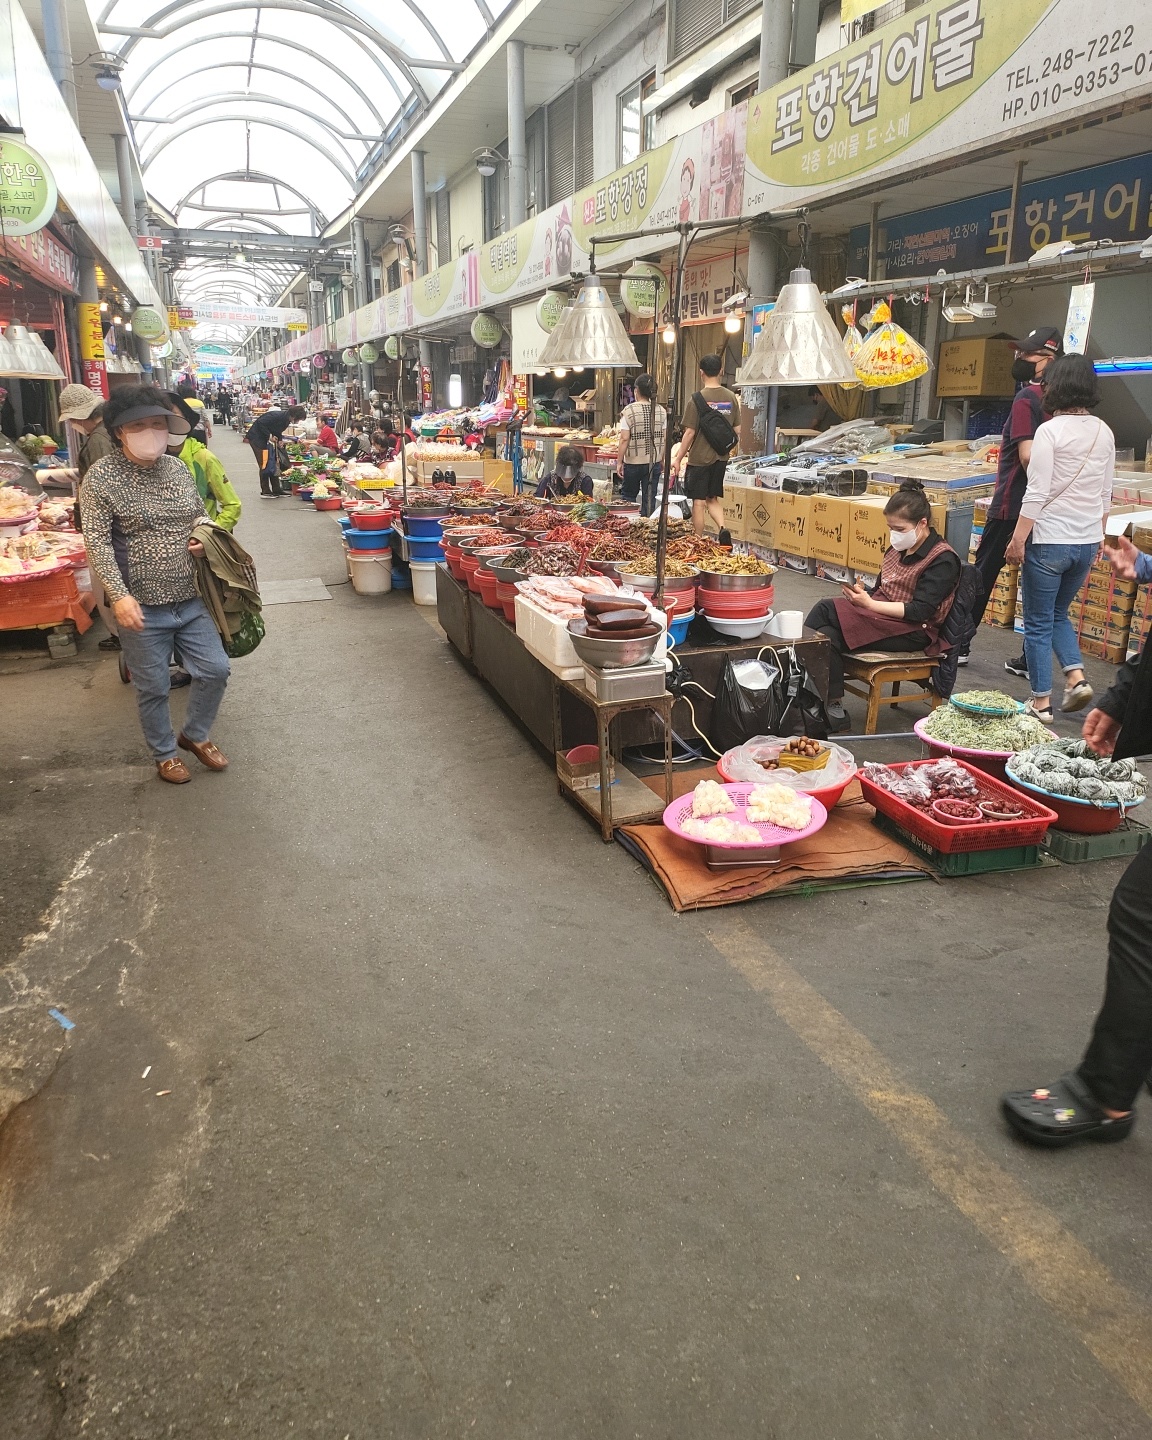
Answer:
(985, 732)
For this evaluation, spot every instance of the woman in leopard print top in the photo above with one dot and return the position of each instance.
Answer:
(139, 507)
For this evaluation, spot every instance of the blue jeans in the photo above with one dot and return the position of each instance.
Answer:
(1052, 577)
(188, 627)
(641, 480)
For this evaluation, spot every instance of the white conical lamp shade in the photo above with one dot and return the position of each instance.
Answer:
(799, 344)
(589, 333)
(9, 360)
(36, 361)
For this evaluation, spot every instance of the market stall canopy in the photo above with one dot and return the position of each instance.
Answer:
(269, 116)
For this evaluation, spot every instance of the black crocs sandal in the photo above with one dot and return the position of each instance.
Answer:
(1061, 1114)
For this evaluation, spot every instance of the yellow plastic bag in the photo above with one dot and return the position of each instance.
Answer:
(889, 356)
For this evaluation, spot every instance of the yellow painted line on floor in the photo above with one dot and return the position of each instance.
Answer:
(1107, 1316)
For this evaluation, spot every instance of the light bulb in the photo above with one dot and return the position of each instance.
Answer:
(128, 327)
(577, 369)
(669, 335)
(733, 324)
(117, 319)
(559, 372)
(103, 307)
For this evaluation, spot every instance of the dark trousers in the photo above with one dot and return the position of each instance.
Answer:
(269, 468)
(1120, 1054)
(823, 617)
(990, 561)
(641, 480)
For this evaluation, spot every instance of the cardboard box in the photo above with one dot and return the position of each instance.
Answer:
(736, 504)
(828, 528)
(1113, 652)
(980, 366)
(791, 531)
(867, 533)
(760, 519)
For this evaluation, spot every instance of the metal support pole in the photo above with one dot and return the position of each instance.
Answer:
(673, 402)
(775, 42)
(362, 293)
(124, 181)
(420, 231)
(517, 142)
(873, 239)
(58, 50)
(761, 399)
(1017, 180)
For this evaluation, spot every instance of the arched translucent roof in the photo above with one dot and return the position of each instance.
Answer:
(262, 116)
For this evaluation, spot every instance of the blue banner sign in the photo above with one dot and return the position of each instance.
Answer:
(1105, 202)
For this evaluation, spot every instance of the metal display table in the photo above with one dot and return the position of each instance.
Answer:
(635, 801)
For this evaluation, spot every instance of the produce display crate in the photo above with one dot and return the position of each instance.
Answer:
(967, 862)
(1074, 849)
(44, 601)
(930, 834)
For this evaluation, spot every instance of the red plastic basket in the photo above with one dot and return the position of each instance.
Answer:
(1030, 829)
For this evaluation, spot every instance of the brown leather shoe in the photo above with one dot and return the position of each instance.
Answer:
(206, 753)
(174, 771)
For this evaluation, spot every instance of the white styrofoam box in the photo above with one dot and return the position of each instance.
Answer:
(548, 639)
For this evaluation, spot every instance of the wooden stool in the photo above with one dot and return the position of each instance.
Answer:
(873, 669)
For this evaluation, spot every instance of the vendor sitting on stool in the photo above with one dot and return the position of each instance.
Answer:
(918, 583)
(568, 478)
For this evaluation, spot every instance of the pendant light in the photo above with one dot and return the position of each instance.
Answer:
(589, 332)
(799, 343)
(9, 360)
(36, 361)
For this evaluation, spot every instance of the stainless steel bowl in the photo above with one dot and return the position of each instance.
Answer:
(606, 567)
(710, 580)
(503, 573)
(673, 585)
(611, 654)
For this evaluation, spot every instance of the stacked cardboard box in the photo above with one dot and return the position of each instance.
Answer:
(1141, 621)
(1102, 613)
(1001, 609)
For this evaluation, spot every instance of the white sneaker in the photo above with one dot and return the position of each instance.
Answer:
(1045, 717)
(1076, 697)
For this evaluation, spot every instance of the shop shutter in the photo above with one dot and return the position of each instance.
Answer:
(561, 167)
(585, 161)
(693, 22)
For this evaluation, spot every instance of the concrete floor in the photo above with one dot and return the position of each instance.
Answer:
(452, 1127)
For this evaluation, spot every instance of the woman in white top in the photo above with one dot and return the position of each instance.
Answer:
(1061, 525)
(642, 429)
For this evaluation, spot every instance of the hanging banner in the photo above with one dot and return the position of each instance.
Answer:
(89, 322)
(937, 85)
(27, 189)
(45, 257)
(528, 338)
(274, 317)
(149, 324)
(1080, 302)
(425, 387)
(180, 318)
(1102, 202)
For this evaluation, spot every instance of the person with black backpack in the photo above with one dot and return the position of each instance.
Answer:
(711, 433)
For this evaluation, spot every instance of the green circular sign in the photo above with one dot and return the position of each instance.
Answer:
(369, 354)
(487, 331)
(551, 306)
(150, 324)
(27, 190)
(392, 347)
(349, 356)
(643, 290)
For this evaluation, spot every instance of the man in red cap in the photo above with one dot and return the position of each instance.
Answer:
(1033, 355)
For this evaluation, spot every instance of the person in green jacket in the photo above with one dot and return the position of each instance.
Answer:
(221, 501)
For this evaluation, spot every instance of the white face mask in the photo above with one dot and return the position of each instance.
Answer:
(146, 446)
(902, 539)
